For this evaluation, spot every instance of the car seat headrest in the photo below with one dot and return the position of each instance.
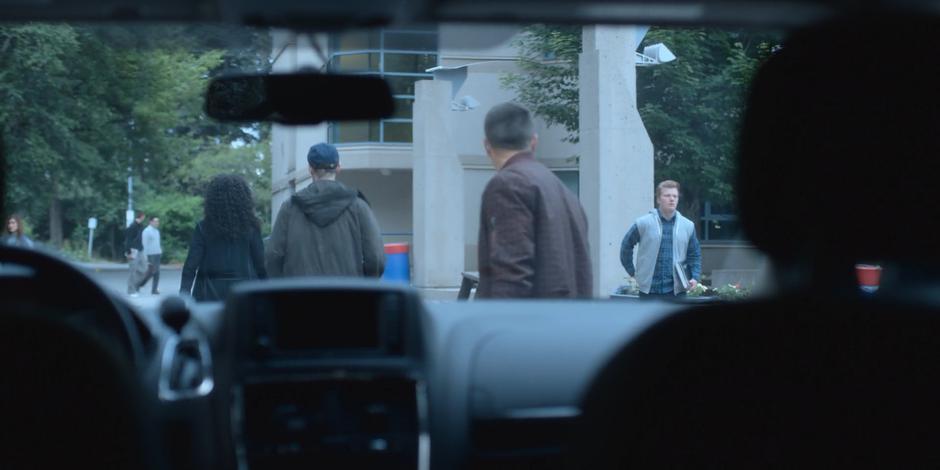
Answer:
(841, 128)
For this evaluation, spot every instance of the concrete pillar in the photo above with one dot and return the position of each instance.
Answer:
(616, 166)
(437, 189)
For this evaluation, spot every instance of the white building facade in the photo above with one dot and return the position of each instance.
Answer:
(424, 169)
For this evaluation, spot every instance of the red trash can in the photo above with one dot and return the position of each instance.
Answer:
(397, 268)
(869, 276)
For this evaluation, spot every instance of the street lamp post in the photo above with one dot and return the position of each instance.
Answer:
(129, 215)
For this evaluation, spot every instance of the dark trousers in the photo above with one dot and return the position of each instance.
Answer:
(153, 271)
(662, 296)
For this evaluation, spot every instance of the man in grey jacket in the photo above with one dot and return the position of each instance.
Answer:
(669, 259)
(326, 229)
(150, 239)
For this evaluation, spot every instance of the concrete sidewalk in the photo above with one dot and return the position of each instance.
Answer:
(98, 267)
(151, 302)
(114, 277)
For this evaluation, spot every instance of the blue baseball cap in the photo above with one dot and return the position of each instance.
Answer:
(323, 156)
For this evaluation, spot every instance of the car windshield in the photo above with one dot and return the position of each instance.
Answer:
(113, 163)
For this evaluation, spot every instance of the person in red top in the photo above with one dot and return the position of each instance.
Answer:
(533, 231)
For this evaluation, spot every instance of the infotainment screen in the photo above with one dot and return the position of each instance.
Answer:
(328, 320)
(352, 326)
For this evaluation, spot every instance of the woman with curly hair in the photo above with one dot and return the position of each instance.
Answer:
(226, 246)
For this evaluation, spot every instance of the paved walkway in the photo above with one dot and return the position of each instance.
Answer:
(113, 276)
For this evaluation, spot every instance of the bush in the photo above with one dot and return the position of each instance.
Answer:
(178, 215)
(732, 292)
(700, 290)
(75, 250)
(726, 292)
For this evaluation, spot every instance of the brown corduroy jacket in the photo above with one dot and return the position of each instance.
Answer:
(533, 235)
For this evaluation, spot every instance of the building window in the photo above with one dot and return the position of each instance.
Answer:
(571, 180)
(719, 224)
(401, 58)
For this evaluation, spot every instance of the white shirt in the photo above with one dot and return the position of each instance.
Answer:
(151, 239)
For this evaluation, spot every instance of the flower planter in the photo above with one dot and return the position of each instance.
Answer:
(704, 299)
(624, 296)
(699, 299)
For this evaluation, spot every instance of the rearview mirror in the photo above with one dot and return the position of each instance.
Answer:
(298, 98)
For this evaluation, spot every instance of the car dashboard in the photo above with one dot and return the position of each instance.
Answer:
(301, 373)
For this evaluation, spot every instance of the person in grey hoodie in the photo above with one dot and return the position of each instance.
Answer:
(326, 229)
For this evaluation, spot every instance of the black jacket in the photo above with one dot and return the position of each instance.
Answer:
(132, 237)
(216, 264)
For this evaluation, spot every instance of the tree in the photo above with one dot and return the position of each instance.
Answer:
(80, 105)
(548, 56)
(178, 215)
(691, 107)
(252, 162)
(37, 125)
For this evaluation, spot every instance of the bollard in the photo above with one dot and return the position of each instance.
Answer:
(397, 268)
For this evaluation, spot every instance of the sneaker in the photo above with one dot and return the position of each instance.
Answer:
(156, 292)
(134, 294)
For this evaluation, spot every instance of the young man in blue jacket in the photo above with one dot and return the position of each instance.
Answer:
(668, 255)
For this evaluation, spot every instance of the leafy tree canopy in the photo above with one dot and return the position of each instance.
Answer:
(81, 107)
(691, 107)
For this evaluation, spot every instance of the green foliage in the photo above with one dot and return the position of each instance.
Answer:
(253, 162)
(698, 291)
(81, 106)
(178, 215)
(76, 249)
(549, 84)
(732, 292)
(691, 107)
(728, 292)
(36, 125)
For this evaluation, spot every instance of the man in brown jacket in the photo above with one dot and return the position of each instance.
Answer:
(326, 229)
(533, 231)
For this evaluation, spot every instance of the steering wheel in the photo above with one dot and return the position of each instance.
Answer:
(34, 282)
